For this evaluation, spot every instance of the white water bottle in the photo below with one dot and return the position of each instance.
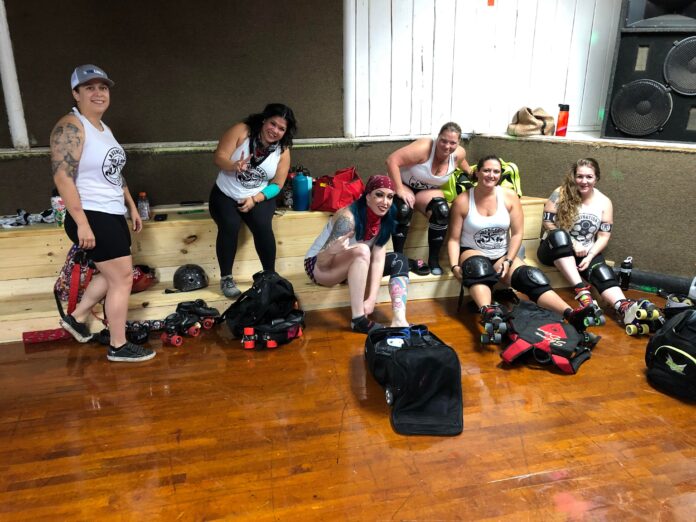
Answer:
(143, 206)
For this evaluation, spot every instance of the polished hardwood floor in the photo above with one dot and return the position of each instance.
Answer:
(211, 431)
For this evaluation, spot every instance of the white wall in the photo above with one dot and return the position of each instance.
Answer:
(416, 64)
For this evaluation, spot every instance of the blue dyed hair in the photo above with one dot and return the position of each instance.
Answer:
(359, 211)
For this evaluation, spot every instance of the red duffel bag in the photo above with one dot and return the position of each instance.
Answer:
(331, 193)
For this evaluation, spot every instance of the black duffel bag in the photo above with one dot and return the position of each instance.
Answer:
(671, 356)
(422, 379)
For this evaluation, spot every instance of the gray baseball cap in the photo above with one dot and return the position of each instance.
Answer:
(87, 72)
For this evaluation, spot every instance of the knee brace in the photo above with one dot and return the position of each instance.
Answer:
(602, 277)
(403, 212)
(530, 281)
(559, 244)
(478, 270)
(396, 265)
(439, 211)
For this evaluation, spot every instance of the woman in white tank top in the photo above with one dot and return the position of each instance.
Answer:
(418, 170)
(87, 162)
(486, 230)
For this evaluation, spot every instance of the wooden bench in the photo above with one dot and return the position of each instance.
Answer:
(33, 256)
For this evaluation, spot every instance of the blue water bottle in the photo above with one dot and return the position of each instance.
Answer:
(301, 189)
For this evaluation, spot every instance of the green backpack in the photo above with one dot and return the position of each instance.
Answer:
(459, 182)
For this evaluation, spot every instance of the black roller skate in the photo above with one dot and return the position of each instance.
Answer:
(584, 297)
(207, 315)
(178, 324)
(639, 317)
(581, 317)
(494, 321)
(251, 338)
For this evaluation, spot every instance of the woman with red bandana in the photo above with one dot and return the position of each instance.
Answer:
(352, 248)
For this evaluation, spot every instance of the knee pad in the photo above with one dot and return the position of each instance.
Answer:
(478, 270)
(559, 244)
(602, 277)
(439, 211)
(403, 212)
(530, 281)
(396, 265)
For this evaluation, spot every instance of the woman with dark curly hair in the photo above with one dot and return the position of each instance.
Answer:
(577, 220)
(254, 159)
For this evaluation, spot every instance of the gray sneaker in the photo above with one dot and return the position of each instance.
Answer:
(78, 330)
(129, 352)
(229, 288)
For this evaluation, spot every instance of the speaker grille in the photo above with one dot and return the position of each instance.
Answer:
(680, 67)
(641, 107)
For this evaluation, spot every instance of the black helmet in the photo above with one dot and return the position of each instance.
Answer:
(190, 277)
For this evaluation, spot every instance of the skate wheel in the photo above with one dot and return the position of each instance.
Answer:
(489, 328)
(208, 323)
(654, 315)
(176, 340)
(641, 314)
(248, 330)
(271, 344)
(249, 345)
(497, 338)
(485, 339)
(193, 331)
(502, 328)
(631, 329)
(164, 338)
(644, 329)
(388, 395)
(602, 320)
(588, 321)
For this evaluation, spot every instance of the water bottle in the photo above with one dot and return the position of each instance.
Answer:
(58, 207)
(301, 189)
(562, 122)
(143, 206)
(625, 273)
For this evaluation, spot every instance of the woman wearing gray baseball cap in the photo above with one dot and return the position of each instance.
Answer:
(87, 161)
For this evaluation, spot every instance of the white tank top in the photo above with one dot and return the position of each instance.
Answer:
(99, 181)
(421, 176)
(487, 234)
(586, 226)
(320, 241)
(241, 185)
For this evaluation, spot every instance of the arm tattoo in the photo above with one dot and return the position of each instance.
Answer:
(553, 198)
(65, 140)
(342, 226)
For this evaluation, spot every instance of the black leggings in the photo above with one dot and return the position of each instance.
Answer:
(226, 214)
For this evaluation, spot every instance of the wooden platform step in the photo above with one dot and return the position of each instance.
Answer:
(36, 254)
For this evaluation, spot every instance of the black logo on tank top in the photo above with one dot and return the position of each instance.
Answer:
(491, 238)
(114, 160)
(252, 177)
(585, 228)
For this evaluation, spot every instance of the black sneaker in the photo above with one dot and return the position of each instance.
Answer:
(364, 325)
(78, 330)
(129, 352)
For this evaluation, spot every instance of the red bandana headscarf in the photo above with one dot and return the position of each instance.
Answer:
(373, 220)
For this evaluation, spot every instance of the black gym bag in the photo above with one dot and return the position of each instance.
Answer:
(422, 379)
(671, 356)
(270, 298)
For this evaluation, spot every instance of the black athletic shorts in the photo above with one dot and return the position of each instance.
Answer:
(111, 232)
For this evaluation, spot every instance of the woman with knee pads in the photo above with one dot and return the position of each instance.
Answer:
(577, 222)
(418, 172)
(486, 228)
(352, 248)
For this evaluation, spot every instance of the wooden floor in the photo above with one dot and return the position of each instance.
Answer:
(211, 431)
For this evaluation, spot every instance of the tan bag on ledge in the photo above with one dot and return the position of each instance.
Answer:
(528, 122)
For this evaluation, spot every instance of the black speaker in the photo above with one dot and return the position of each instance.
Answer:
(652, 91)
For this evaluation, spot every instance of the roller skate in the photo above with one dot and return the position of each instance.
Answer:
(582, 317)
(250, 339)
(178, 324)
(494, 321)
(584, 297)
(207, 315)
(639, 317)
